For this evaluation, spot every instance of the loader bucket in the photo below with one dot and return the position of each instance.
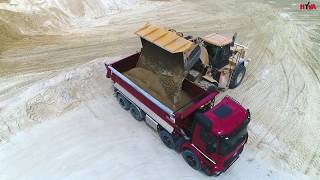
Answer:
(164, 49)
(165, 38)
(170, 67)
(160, 68)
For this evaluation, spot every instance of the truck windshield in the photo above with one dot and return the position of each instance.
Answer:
(230, 143)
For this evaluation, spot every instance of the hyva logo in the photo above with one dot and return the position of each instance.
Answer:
(308, 6)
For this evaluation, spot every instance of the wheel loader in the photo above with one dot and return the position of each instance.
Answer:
(210, 61)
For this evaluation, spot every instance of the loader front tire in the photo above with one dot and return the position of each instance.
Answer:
(237, 76)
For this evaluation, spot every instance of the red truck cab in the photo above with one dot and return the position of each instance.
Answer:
(219, 134)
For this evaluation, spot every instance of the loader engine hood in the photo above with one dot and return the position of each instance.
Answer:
(227, 117)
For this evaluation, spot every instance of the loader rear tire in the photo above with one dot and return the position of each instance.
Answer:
(237, 76)
(123, 101)
(192, 159)
(137, 113)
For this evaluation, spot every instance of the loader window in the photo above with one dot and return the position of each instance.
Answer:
(226, 51)
(214, 50)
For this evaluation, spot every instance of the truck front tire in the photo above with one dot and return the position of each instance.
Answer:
(124, 103)
(192, 159)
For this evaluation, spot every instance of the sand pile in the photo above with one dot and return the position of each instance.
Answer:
(7, 35)
(161, 74)
(162, 87)
(50, 16)
(51, 98)
(55, 17)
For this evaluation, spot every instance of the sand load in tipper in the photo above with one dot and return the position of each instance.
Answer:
(160, 82)
(160, 69)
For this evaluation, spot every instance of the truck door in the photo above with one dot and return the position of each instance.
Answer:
(202, 137)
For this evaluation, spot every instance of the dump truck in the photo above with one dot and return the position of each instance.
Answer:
(212, 60)
(210, 135)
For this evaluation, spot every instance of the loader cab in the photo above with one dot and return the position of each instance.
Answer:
(218, 48)
(221, 132)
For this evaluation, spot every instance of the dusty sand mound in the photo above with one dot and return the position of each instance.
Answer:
(15, 26)
(55, 17)
(51, 98)
(8, 35)
(50, 16)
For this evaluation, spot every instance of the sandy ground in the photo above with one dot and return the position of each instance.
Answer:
(88, 136)
(99, 140)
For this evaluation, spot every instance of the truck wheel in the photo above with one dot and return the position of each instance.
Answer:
(137, 113)
(192, 159)
(124, 103)
(178, 144)
(237, 76)
(167, 139)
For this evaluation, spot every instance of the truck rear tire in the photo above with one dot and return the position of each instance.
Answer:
(137, 113)
(124, 103)
(167, 139)
(192, 159)
(237, 76)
